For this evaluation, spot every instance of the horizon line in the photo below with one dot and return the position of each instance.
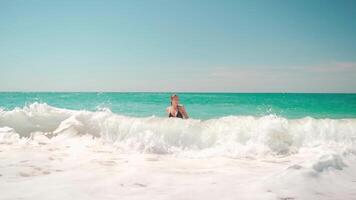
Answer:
(201, 92)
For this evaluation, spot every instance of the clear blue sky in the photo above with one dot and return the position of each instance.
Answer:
(148, 45)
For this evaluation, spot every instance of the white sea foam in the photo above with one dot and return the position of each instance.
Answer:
(43, 148)
(233, 136)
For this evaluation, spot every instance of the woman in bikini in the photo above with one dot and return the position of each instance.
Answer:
(176, 110)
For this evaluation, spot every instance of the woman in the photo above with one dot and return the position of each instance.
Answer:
(176, 110)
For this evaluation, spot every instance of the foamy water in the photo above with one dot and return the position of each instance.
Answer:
(54, 153)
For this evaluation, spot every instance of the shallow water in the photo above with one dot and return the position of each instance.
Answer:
(199, 105)
(83, 149)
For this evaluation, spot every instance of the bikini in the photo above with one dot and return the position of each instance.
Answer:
(178, 115)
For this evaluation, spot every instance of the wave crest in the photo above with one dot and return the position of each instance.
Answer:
(231, 135)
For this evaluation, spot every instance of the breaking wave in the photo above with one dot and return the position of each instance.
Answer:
(235, 136)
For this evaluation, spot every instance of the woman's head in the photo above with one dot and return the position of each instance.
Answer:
(174, 100)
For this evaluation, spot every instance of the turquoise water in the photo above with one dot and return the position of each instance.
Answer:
(198, 105)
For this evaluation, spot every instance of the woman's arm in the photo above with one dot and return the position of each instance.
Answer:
(168, 110)
(184, 113)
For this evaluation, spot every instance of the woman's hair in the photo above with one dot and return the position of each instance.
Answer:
(172, 96)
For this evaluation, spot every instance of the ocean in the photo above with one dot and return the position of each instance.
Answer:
(123, 145)
(199, 105)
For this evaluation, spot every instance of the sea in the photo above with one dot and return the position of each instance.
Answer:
(199, 105)
(116, 145)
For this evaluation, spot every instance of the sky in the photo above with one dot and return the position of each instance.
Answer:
(181, 45)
